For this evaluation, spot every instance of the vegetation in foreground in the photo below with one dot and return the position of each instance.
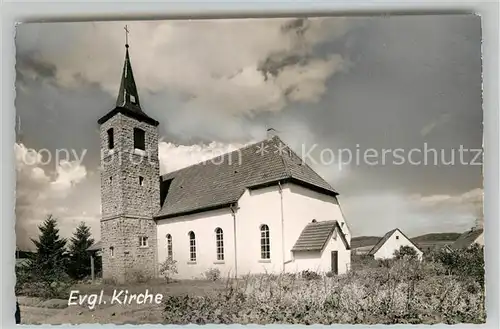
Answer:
(404, 290)
(447, 287)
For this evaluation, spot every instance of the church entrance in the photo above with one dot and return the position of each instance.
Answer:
(335, 262)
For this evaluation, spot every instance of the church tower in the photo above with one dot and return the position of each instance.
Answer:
(130, 186)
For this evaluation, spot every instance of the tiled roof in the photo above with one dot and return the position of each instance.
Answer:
(221, 181)
(381, 242)
(315, 235)
(466, 239)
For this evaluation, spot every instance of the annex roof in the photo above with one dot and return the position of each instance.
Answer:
(316, 234)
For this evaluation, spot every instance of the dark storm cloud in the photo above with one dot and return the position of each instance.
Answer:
(408, 73)
(30, 62)
(275, 62)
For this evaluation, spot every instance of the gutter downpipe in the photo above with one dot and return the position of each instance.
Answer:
(233, 212)
(282, 228)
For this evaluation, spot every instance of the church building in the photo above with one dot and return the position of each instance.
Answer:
(259, 209)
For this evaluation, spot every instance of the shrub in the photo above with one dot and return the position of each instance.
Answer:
(168, 269)
(212, 274)
(363, 261)
(466, 264)
(406, 252)
(310, 275)
(405, 292)
(36, 283)
(23, 275)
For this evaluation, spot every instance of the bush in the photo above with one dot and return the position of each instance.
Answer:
(406, 252)
(466, 264)
(212, 274)
(406, 292)
(309, 275)
(363, 261)
(33, 282)
(168, 269)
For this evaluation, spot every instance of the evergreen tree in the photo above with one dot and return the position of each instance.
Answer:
(50, 259)
(79, 266)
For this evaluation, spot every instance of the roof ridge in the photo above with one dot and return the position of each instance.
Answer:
(245, 147)
(306, 165)
(285, 166)
(225, 177)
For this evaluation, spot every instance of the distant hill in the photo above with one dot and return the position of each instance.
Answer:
(433, 237)
(362, 241)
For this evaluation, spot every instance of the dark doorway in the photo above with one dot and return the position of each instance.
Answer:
(335, 262)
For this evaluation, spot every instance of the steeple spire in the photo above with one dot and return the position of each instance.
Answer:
(127, 95)
(127, 102)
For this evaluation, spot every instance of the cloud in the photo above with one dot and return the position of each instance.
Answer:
(174, 157)
(68, 174)
(299, 139)
(470, 198)
(469, 203)
(443, 119)
(40, 192)
(415, 214)
(230, 66)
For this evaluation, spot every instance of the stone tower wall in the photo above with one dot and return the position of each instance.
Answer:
(127, 206)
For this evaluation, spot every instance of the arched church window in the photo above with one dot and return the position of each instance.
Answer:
(219, 242)
(192, 246)
(169, 246)
(112, 251)
(265, 243)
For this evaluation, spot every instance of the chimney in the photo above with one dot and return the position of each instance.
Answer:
(271, 132)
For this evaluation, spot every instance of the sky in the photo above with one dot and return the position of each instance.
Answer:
(329, 86)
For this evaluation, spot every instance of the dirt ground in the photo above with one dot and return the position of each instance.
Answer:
(36, 311)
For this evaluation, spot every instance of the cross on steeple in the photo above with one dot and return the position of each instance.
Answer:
(127, 102)
(127, 95)
(126, 35)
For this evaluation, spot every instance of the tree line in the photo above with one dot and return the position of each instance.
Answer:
(56, 261)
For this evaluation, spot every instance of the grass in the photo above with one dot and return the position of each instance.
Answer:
(156, 286)
(445, 288)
